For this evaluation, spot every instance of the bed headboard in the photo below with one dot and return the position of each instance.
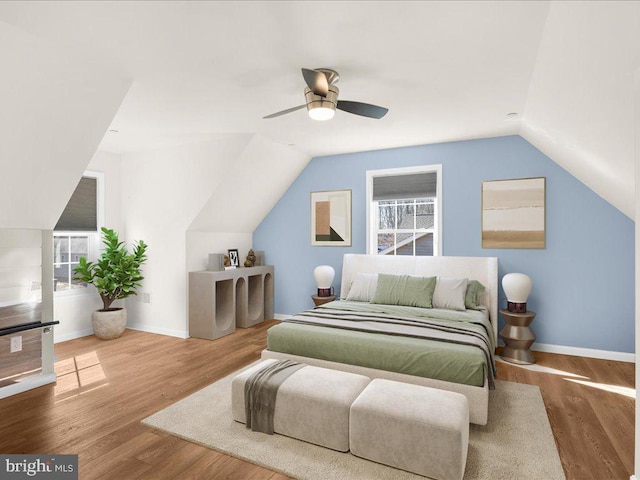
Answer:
(483, 269)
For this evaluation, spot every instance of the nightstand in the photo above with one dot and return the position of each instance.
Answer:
(518, 337)
(322, 300)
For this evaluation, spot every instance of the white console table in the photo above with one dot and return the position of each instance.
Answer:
(220, 301)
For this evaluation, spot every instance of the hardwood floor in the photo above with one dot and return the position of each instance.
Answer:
(104, 389)
(591, 407)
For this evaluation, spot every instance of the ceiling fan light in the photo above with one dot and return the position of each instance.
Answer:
(321, 95)
(321, 113)
(322, 108)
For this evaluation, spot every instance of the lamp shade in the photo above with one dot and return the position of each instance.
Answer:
(324, 275)
(517, 287)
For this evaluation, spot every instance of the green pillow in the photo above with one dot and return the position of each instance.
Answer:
(404, 290)
(474, 293)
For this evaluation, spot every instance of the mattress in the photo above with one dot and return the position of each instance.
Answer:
(383, 347)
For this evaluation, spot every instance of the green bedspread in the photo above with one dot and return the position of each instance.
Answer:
(442, 360)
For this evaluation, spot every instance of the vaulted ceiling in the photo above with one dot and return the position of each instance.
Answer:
(446, 70)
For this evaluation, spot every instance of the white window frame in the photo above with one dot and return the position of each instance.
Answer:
(94, 237)
(372, 207)
(91, 255)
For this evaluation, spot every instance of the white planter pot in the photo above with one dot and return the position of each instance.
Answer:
(110, 324)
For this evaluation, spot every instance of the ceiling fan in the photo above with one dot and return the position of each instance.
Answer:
(321, 95)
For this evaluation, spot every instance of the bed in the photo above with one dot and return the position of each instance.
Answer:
(440, 348)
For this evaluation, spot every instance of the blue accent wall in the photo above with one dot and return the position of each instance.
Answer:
(583, 281)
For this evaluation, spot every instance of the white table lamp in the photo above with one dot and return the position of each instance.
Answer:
(517, 287)
(324, 278)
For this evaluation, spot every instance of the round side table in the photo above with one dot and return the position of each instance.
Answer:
(322, 300)
(518, 337)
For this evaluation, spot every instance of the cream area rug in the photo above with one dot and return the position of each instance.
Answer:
(517, 443)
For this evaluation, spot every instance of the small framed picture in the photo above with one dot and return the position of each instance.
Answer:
(234, 258)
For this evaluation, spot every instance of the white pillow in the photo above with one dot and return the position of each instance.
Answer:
(363, 287)
(449, 293)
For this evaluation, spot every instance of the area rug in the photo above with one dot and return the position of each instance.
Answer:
(516, 443)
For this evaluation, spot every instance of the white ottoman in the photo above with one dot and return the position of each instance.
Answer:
(312, 404)
(414, 428)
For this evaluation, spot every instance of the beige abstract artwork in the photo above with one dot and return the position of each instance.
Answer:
(513, 213)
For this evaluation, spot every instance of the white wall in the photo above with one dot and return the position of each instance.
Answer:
(200, 244)
(162, 192)
(55, 110)
(254, 183)
(579, 108)
(20, 265)
(192, 200)
(72, 309)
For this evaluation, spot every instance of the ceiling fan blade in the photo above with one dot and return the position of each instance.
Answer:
(317, 81)
(363, 109)
(284, 112)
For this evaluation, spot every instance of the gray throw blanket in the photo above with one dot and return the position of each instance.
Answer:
(260, 391)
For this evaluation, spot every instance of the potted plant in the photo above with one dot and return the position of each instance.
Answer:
(116, 274)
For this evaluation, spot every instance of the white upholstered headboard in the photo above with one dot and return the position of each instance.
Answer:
(483, 269)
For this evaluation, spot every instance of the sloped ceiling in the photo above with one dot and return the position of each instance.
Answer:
(447, 71)
(580, 105)
(54, 110)
(254, 183)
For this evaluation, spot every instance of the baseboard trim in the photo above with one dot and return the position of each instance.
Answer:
(281, 316)
(581, 352)
(28, 383)
(65, 337)
(159, 330)
(585, 352)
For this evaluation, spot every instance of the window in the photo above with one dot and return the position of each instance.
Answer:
(67, 250)
(404, 211)
(76, 233)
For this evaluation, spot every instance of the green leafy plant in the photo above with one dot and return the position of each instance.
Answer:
(117, 273)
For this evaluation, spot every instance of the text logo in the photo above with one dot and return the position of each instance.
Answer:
(49, 467)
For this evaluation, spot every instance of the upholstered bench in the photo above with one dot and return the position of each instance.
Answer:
(414, 428)
(312, 404)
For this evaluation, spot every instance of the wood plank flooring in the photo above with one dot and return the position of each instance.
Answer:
(591, 405)
(105, 389)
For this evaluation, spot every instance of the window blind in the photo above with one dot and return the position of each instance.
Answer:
(80, 213)
(401, 187)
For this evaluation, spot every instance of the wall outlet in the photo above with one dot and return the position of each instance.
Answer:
(16, 344)
(146, 297)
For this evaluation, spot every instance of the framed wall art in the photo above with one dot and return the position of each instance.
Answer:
(331, 218)
(514, 213)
